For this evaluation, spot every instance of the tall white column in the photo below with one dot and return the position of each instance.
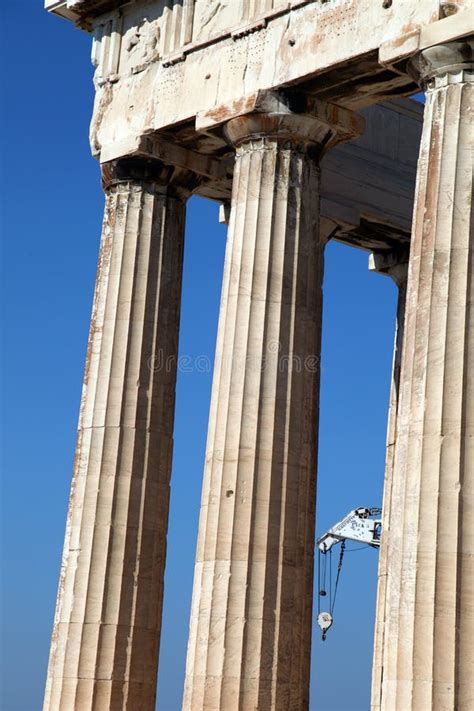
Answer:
(250, 630)
(428, 650)
(395, 265)
(105, 643)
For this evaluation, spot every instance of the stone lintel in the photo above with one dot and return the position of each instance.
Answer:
(348, 124)
(457, 25)
(453, 27)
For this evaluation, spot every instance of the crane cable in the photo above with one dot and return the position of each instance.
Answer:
(339, 567)
(322, 576)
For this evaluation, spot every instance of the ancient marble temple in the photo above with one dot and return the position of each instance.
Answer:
(294, 115)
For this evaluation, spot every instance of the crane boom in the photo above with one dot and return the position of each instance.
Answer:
(362, 525)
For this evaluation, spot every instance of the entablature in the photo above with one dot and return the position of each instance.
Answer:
(296, 39)
(170, 73)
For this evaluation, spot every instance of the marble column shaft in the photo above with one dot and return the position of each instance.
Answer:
(394, 265)
(428, 650)
(105, 643)
(250, 630)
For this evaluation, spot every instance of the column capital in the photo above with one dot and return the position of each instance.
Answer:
(317, 128)
(159, 177)
(443, 64)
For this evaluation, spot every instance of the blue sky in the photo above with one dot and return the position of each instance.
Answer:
(51, 224)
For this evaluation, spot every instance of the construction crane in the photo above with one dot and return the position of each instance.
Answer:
(362, 525)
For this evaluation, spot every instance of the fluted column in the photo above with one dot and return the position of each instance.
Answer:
(395, 265)
(105, 642)
(250, 629)
(428, 643)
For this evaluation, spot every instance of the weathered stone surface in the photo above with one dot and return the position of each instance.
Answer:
(428, 652)
(250, 630)
(104, 651)
(290, 47)
(160, 55)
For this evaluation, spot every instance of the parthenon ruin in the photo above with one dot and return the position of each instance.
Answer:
(294, 115)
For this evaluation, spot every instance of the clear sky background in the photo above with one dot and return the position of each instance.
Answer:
(52, 212)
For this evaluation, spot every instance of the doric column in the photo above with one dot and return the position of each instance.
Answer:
(105, 643)
(427, 648)
(250, 629)
(395, 265)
